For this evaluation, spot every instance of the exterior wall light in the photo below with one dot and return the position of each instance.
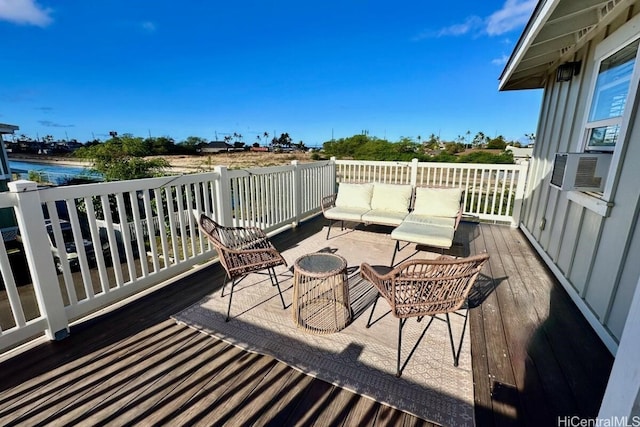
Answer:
(567, 70)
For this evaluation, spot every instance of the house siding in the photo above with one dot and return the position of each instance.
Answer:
(593, 253)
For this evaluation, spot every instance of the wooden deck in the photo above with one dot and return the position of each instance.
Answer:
(534, 358)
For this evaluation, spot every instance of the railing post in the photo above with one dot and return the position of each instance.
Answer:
(332, 159)
(333, 176)
(297, 193)
(38, 253)
(224, 198)
(414, 172)
(517, 203)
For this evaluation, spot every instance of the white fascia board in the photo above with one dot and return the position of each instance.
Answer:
(527, 39)
(4, 128)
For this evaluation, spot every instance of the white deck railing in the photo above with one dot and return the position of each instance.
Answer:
(127, 236)
(107, 261)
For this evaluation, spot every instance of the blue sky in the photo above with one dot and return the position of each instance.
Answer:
(80, 69)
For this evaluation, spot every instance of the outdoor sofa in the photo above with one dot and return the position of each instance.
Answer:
(423, 215)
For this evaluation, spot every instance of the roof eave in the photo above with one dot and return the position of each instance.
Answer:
(540, 15)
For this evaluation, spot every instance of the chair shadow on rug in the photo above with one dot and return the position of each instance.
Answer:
(242, 251)
(426, 287)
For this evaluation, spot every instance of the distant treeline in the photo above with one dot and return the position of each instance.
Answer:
(364, 147)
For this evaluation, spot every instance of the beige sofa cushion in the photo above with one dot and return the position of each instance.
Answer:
(391, 197)
(354, 196)
(441, 221)
(346, 214)
(437, 201)
(429, 235)
(375, 216)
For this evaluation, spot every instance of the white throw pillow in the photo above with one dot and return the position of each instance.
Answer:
(437, 201)
(391, 197)
(354, 195)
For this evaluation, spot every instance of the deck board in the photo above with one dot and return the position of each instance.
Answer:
(501, 377)
(519, 323)
(530, 345)
(534, 357)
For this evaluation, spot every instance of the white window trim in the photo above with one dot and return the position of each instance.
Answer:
(626, 34)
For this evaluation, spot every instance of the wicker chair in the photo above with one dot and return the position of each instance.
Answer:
(242, 250)
(418, 288)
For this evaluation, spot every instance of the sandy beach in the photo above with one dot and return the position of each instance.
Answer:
(187, 164)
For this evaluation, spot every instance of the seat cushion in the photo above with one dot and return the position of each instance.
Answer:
(441, 221)
(383, 217)
(428, 235)
(354, 196)
(346, 214)
(437, 201)
(391, 197)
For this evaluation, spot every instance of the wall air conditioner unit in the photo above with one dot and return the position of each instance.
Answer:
(580, 171)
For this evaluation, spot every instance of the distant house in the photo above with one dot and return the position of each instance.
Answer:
(7, 219)
(215, 147)
(582, 197)
(520, 154)
(5, 171)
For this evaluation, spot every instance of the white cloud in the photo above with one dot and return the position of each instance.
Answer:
(26, 12)
(500, 61)
(472, 23)
(513, 14)
(148, 26)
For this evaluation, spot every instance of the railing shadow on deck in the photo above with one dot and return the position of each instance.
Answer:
(131, 319)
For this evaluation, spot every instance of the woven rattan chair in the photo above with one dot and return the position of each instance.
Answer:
(418, 288)
(242, 250)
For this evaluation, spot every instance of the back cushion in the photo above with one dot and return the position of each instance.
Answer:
(437, 201)
(391, 197)
(354, 195)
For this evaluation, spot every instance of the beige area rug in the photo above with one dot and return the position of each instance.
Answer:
(358, 359)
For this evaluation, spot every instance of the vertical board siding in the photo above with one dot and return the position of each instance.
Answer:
(617, 315)
(584, 248)
(591, 252)
(533, 180)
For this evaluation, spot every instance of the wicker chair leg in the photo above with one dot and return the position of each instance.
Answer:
(456, 354)
(395, 251)
(375, 301)
(224, 283)
(400, 325)
(274, 282)
(329, 229)
(233, 283)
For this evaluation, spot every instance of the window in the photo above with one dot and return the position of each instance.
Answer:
(614, 77)
(609, 99)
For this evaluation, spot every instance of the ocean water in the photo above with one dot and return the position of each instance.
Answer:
(56, 174)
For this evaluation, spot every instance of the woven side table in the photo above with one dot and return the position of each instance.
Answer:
(321, 293)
